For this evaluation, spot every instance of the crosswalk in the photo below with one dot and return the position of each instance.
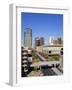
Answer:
(56, 71)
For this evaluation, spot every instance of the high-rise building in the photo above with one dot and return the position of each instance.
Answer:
(50, 41)
(28, 37)
(60, 41)
(55, 41)
(39, 41)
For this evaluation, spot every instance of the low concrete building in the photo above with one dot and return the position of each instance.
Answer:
(39, 48)
(50, 49)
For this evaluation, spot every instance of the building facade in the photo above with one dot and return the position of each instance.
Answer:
(50, 49)
(28, 38)
(39, 41)
(55, 41)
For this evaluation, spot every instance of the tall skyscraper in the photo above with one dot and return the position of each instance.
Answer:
(39, 41)
(28, 37)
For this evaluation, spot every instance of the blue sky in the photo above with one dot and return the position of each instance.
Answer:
(42, 25)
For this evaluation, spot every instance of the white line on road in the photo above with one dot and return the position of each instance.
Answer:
(56, 71)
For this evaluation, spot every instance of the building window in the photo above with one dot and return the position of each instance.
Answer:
(61, 52)
(61, 48)
(49, 52)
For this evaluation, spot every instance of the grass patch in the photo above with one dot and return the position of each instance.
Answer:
(52, 57)
(35, 58)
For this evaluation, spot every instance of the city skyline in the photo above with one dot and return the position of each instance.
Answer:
(42, 25)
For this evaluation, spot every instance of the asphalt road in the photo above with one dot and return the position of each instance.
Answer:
(47, 71)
